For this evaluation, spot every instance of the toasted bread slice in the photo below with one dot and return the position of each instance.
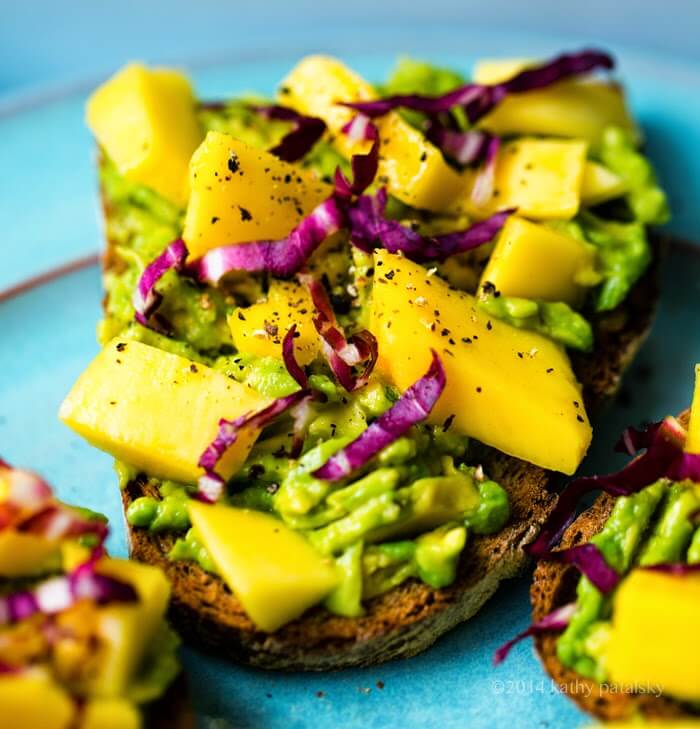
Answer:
(555, 585)
(409, 618)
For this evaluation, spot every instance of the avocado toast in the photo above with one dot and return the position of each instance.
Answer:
(83, 641)
(630, 650)
(409, 577)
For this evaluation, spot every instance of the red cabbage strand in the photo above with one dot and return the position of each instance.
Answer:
(556, 621)
(59, 593)
(364, 166)
(411, 408)
(663, 458)
(281, 258)
(211, 485)
(477, 100)
(341, 354)
(298, 143)
(370, 229)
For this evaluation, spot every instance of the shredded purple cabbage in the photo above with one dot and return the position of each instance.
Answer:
(341, 354)
(146, 298)
(465, 148)
(556, 621)
(281, 258)
(589, 560)
(370, 229)
(477, 100)
(663, 458)
(411, 408)
(485, 179)
(298, 143)
(31, 508)
(290, 361)
(59, 593)
(364, 166)
(211, 485)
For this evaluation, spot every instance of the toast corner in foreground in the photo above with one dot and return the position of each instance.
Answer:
(553, 585)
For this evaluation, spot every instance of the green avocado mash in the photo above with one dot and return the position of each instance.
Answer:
(650, 527)
(409, 512)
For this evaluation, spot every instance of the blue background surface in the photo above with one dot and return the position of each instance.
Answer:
(52, 53)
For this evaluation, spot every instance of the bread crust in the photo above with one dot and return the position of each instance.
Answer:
(409, 618)
(554, 585)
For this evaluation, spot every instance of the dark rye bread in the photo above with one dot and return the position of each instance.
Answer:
(409, 618)
(555, 585)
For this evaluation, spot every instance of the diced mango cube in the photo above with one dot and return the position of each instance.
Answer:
(110, 714)
(158, 411)
(600, 184)
(533, 261)
(491, 71)
(34, 700)
(412, 168)
(272, 570)
(542, 178)
(575, 107)
(259, 329)
(146, 121)
(655, 636)
(509, 388)
(23, 554)
(126, 630)
(241, 194)
(692, 444)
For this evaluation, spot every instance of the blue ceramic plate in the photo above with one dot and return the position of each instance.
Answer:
(48, 218)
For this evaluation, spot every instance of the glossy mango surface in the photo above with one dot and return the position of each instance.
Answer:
(540, 178)
(655, 638)
(146, 121)
(259, 329)
(412, 168)
(272, 569)
(692, 444)
(241, 194)
(510, 388)
(533, 261)
(157, 411)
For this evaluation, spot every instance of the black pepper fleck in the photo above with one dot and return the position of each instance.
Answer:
(233, 163)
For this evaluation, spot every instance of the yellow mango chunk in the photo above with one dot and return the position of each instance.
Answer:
(73, 555)
(125, 630)
(412, 168)
(242, 194)
(692, 444)
(272, 570)
(600, 184)
(110, 714)
(34, 700)
(533, 261)
(496, 70)
(509, 388)
(22, 554)
(259, 329)
(576, 107)
(540, 177)
(146, 121)
(158, 411)
(655, 636)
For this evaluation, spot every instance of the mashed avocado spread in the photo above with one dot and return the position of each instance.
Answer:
(389, 523)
